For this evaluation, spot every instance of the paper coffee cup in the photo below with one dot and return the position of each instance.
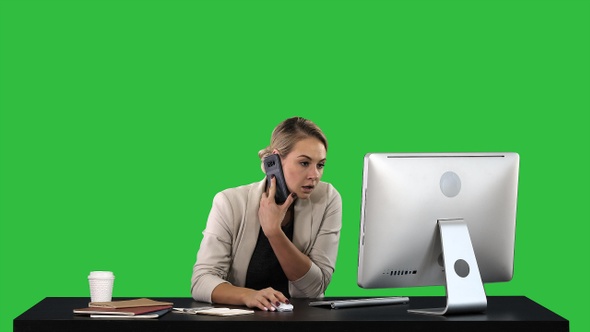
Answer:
(101, 286)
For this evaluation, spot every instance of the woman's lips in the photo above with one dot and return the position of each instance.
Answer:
(307, 189)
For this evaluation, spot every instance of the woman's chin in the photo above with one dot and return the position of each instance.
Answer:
(303, 195)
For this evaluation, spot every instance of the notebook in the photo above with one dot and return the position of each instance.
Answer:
(155, 314)
(142, 302)
(131, 311)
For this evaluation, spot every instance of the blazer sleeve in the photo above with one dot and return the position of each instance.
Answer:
(214, 257)
(323, 251)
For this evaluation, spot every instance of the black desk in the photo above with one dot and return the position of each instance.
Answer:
(511, 313)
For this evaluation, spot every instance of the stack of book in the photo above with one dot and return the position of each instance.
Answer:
(137, 308)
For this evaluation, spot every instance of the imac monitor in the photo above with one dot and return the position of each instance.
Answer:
(438, 219)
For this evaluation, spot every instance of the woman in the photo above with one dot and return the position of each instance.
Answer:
(257, 253)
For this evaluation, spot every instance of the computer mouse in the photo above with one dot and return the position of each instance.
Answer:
(283, 306)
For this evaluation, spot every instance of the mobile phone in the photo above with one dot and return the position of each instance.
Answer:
(273, 166)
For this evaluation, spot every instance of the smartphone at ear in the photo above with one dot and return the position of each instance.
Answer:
(273, 166)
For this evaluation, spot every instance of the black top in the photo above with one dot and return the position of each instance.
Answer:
(264, 269)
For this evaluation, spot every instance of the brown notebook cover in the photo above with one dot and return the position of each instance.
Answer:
(121, 311)
(143, 302)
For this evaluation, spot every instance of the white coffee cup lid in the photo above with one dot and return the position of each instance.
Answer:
(101, 275)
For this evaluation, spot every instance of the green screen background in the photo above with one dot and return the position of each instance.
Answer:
(120, 120)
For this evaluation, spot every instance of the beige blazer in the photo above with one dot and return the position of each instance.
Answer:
(232, 230)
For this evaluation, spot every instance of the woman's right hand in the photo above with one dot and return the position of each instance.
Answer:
(270, 214)
(264, 298)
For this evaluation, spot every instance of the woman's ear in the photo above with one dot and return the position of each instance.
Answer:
(275, 151)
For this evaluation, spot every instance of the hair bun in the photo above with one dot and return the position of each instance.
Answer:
(264, 153)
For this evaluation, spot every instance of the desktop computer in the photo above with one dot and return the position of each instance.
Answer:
(438, 219)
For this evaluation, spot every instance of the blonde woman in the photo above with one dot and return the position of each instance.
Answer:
(257, 253)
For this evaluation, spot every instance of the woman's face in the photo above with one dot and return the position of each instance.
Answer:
(303, 166)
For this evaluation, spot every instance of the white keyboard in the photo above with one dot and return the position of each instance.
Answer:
(360, 302)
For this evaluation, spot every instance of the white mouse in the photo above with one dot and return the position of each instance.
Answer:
(283, 306)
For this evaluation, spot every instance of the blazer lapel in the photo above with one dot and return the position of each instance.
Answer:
(303, 225)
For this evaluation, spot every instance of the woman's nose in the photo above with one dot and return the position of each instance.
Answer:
(314, 173)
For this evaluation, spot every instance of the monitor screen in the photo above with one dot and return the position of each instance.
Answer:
(406, 197)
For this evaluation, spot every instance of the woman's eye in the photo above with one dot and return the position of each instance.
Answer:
(304, 163)
(321, 166)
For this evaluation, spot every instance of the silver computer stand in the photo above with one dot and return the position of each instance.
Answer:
(464, 287)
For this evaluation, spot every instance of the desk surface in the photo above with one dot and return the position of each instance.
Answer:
(504, 313)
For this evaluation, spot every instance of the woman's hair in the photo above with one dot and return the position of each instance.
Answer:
(289, 132)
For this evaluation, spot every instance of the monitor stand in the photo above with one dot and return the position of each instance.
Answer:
(464, 287)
